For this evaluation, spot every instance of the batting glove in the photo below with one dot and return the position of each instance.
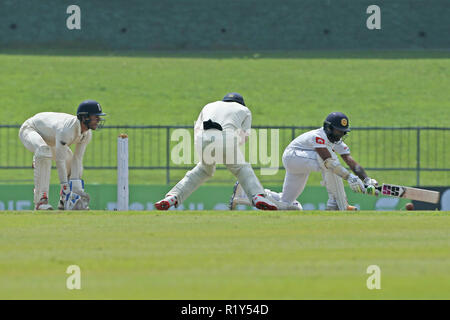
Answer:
(356, 184)
(370, 182)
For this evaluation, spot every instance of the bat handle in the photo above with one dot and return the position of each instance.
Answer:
(376, 187)
(376, 192)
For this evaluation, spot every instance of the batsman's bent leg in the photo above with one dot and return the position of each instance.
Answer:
(293, 186)
(191, 181)
(298, 164)
(272, 196)
(286, 206)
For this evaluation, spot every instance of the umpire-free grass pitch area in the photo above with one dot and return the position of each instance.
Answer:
(224, 255)
(374, 88)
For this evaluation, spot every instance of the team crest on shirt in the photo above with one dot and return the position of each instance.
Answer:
(344, 122)
(320, 140)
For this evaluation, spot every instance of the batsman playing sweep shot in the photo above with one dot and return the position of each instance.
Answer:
(219, 130)
(48, 135)
(316, 151)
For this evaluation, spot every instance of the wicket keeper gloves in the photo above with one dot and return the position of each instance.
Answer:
(355, 183)
(63, 195)
(76, 198)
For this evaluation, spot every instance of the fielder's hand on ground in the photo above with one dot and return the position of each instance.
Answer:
(356, 184)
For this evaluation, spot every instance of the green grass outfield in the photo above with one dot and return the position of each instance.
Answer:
(292, 88)
(377, 88)
(223, 255)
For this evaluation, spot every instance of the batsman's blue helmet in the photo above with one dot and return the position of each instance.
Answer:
(234, 97)
(336, 120)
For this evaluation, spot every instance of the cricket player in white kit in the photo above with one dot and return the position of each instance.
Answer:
(48, 135)
(219, 130)
(316, 151)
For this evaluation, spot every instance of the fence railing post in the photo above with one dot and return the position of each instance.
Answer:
(418, 158)
(167, 155)
(12, 158)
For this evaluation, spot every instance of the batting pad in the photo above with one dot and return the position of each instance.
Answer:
(333, 183)
(42, 166)
(335, 187)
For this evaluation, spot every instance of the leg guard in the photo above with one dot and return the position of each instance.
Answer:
(293, 186)
(42, 166)
(69, 157)
(334, 185)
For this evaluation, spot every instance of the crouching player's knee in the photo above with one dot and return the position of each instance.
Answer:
(43, 152)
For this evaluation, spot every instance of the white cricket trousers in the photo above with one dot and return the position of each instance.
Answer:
(298, 164)
(217, 147)
(42, 159)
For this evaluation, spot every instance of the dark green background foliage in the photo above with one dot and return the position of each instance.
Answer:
(219, 25)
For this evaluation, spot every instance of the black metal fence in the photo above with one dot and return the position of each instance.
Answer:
(417, 149)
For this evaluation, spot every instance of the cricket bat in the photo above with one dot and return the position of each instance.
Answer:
(408, 193)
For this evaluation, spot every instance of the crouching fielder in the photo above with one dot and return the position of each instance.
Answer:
(220, 128)
(48, 135)
(316, 151)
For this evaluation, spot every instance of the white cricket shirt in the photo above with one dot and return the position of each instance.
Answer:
(317, 138)
(60, 130)
(230, 115)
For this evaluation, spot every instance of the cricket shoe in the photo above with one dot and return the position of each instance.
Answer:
(43, 204)
(166, 203)
(263, 203)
